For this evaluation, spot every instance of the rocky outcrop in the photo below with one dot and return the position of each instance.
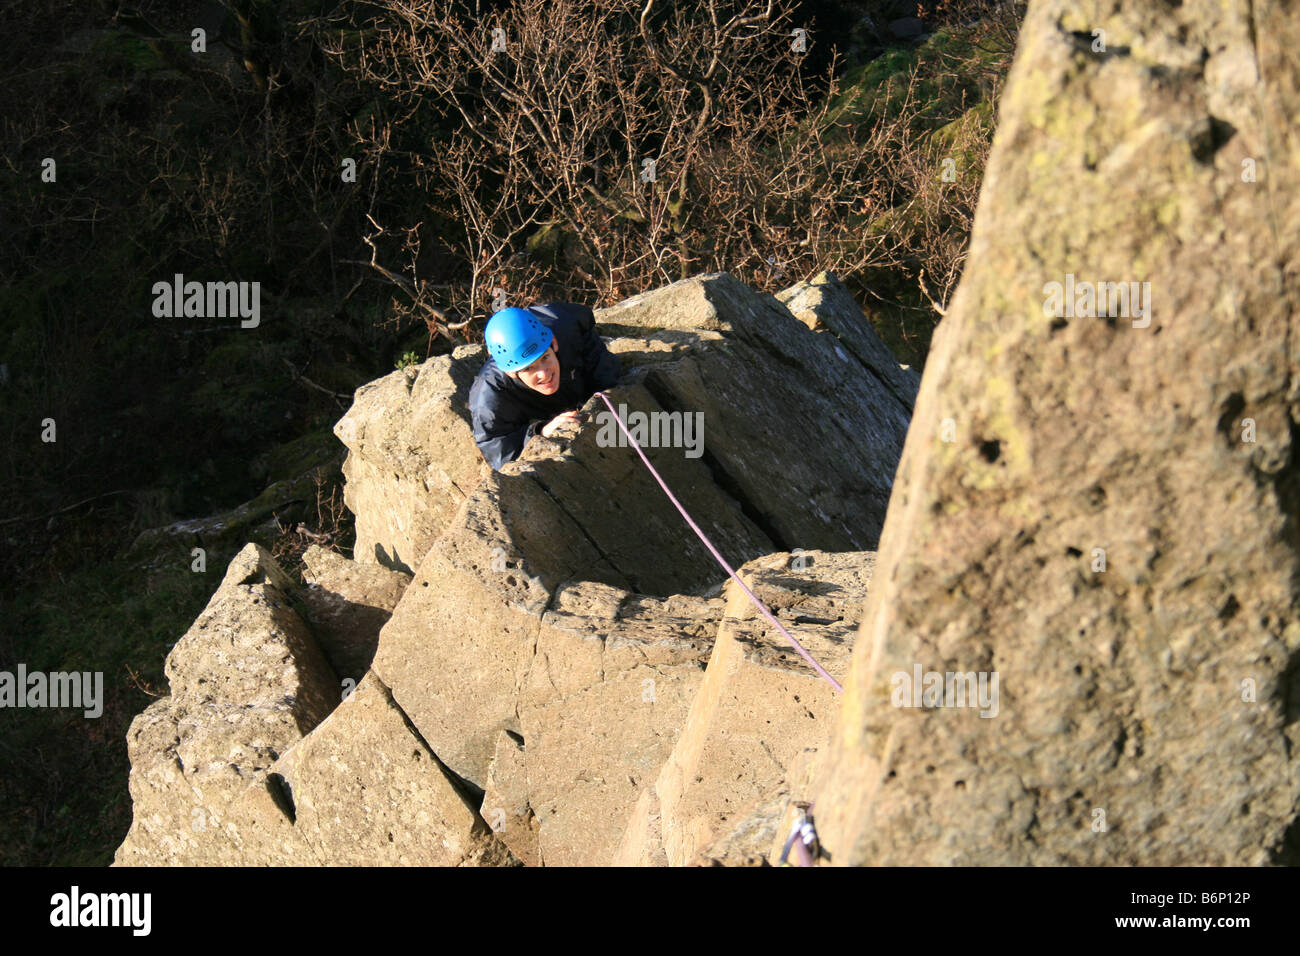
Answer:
(1102, 510)
(515, 697)
(824, 304)
(475, 608)
(364, 789)
(757, 710)
(482, 611)
(608, 686)
(257, 757)
(801, 435)
(407, 470)
(797, 430)
(248, 681)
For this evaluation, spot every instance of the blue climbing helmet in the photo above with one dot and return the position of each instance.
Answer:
(515, 339)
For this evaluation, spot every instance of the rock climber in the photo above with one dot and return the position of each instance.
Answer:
(543, 363)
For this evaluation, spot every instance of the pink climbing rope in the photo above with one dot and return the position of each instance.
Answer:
(717, 557)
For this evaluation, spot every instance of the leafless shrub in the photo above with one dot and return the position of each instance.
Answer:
(330, 529)
(611, 146)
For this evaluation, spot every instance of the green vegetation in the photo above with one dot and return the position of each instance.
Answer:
(933, 110)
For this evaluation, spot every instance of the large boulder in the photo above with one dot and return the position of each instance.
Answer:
(758, 710)
(473, 613)
(801, 432)
(797, 429)
(611, 681)
(568, 510)
(411, 457)
(262, 756)
(364, 789)
(247, 682)
(1101, 511)
(520, 680)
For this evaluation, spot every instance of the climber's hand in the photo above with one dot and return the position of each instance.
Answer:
(559, 421)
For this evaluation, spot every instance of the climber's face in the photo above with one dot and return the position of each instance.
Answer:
(543, 375)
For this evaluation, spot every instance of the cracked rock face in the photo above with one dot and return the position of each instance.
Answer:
(599, 710)
(519, 692)
(247, 682)
(346, 605)
(801, 432)
(758, 715)
(256, 758)
(407, 470)
(799, 445)
(1102, 509)
(824, 304)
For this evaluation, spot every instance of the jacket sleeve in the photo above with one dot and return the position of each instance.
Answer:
(506, 448)
(603, 367)
(500, 439)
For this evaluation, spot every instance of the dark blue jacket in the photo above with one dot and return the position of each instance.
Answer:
(506, 413)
